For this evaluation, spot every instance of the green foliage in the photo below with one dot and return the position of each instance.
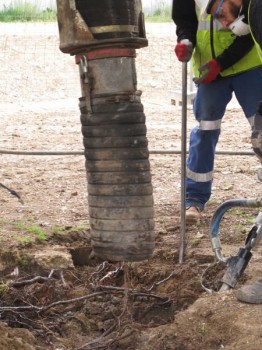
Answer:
(240, 228)
(247, 215)
(81, 227)
(4, 288)
(57, 230)
(195, 241)
(38, 232)
(4, 221)
(26, 12)
(22, 261)
(202, 331)
(19, 225)
(160, 14)
(24, 240)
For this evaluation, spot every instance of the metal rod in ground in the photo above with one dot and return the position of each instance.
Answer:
(183, 162)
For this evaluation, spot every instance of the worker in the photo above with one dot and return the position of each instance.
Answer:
(239, 14)
(223, 64)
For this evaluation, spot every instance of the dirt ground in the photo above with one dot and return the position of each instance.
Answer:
(54, 294)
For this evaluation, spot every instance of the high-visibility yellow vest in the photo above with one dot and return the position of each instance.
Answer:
(219, 40)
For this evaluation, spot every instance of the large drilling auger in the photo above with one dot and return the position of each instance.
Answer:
(103, 36)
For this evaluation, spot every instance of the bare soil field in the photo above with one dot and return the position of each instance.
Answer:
(54, 294)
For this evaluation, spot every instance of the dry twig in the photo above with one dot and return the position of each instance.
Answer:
(155, 284)
(32, 280)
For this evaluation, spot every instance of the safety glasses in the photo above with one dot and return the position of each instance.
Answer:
(217, 14)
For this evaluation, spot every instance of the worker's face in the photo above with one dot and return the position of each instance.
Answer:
(227, 12)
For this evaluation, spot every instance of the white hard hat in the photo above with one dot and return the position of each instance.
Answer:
(204, 6)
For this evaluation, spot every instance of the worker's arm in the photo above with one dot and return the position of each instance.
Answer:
(237, 50)
(184, 16)
(255, 20)
(240, 46)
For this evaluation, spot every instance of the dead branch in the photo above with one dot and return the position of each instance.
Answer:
(46, 307)
(133, 292)
(155, 284)
(61, 273)
(110, 275)
(99, 339)
(100, 268)
(104, 290)
(32, 280)
(103, 343)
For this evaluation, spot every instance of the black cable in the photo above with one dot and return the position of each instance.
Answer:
(81, 153)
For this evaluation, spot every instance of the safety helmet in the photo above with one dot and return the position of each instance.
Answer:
(204, 6)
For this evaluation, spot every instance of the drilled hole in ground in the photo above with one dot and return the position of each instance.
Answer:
(79, 297)
(82, 256)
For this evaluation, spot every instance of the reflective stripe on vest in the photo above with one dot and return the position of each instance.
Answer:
(222, 39)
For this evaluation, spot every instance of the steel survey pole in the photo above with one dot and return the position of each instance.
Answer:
(183, 162)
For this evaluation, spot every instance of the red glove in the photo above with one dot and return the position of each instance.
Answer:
(184, 50)
(213, 69)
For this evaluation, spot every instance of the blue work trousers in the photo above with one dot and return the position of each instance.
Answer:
(209, 108)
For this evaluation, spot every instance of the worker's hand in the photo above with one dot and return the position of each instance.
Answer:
(256, 136)
(184, 50)
(212, 69)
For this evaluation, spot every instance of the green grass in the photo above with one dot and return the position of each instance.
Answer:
(26, 232)
(24, 240)
(19, 225)
(195, 241)
(247, 214)
(81, 227)
(160, 15)
(38, 232)
(59, 230)
(25, 12)
(156, 19)
(4, 288)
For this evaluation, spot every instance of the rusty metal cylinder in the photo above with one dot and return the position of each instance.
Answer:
(91, 24)
(116, 149)
(104, 35)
